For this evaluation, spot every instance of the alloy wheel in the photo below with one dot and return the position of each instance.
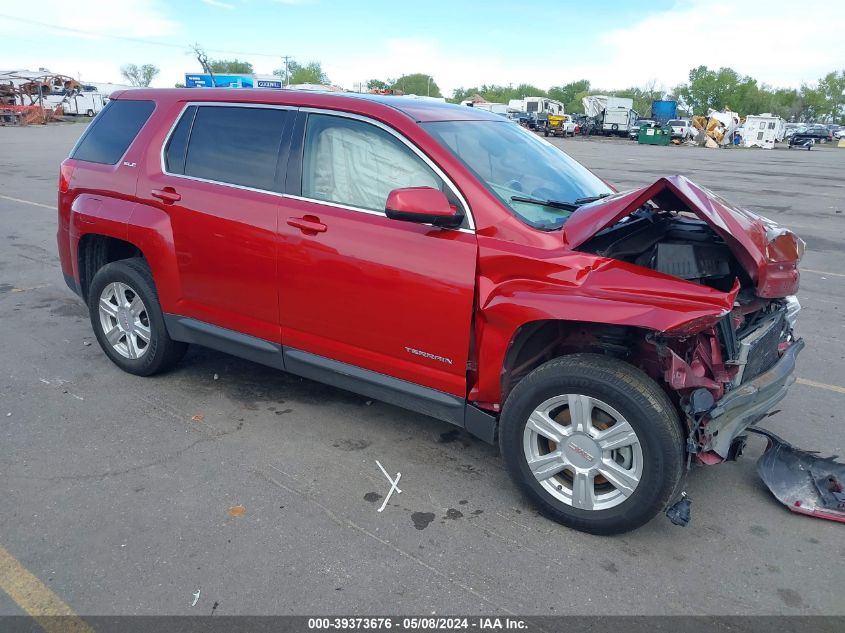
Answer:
(583, 452)
(124, 320)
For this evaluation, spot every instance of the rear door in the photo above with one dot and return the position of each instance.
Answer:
(220, 183)
(391, 297)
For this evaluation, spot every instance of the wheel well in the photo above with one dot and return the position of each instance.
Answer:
(95, 251)
(540, 341)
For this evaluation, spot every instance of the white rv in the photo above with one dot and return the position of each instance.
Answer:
(615, 114)
(495, 108)
(619, 116)
(763, 130)
(536, 105)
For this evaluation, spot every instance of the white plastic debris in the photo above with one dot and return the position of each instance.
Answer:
(196, 598)
(394, 485)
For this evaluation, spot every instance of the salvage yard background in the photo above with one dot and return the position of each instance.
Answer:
(122, 494)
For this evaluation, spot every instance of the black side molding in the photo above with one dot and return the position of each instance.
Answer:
(71, 283)
(223, 340)
(437, 404)
(430, 402)
(481, 424)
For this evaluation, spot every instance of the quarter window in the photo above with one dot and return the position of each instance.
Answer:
(113, 131)
(234, 145)
(354, 163)
(174, 154)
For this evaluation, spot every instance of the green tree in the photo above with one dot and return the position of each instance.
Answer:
(417, 84)
(310, 73)
(230, 67)
(141, 76)
(570, 94)
(496, 93)
(832, 89)
(378, 84)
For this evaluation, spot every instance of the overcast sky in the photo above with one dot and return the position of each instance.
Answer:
(612, 43)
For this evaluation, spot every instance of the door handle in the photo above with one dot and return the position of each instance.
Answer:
(167, 195)
(309, 224)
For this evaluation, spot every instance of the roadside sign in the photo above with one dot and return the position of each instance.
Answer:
(194, 80)
(273, 84)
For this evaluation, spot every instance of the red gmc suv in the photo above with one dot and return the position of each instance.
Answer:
(445, 260)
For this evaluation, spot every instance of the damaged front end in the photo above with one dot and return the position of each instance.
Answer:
(726, 370)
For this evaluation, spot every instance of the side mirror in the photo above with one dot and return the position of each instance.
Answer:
(424, 205)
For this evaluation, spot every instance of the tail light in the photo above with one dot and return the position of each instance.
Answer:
(65, 173)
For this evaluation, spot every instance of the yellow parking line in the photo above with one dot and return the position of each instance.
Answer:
(34, 597)
(821, 272)
(52, 207)
(820, 385)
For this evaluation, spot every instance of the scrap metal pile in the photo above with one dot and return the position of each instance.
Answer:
(22, 102)
(717, 129)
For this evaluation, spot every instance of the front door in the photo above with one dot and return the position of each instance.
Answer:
(388, 296)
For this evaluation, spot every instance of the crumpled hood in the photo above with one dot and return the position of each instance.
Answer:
(761, 246)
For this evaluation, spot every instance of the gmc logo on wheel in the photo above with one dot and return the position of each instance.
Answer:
(581, 451)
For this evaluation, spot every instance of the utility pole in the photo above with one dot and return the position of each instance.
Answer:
(286, 58)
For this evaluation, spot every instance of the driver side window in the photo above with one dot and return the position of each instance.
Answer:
(354, 163)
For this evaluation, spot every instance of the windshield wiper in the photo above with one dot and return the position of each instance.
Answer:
(590, 199)
(560, 204)
(556, 204)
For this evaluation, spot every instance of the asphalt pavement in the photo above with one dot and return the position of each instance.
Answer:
(126, 495)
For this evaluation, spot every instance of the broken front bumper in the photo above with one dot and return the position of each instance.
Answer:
(750, 402)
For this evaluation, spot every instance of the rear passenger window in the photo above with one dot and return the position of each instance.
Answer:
(113, 131)
(357, 164)
(235, 145)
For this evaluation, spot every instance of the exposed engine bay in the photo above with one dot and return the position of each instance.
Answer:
(671, 243)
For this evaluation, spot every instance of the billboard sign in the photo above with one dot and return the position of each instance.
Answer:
(193, 80)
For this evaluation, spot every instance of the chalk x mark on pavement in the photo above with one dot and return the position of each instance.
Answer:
(394, 485)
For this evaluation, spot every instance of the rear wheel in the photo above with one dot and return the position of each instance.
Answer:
(594, 442)
(127, 319)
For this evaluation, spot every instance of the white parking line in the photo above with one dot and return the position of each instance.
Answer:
(52, 207)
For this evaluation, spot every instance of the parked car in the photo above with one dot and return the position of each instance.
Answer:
(681, 128)
(634, 132)
(840, 133)
(819, 133)
(485, 278)
(810, 136)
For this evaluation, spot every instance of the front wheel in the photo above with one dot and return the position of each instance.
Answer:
(127, 319)
(594, 442)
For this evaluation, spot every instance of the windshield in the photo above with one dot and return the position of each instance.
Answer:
(515, 163)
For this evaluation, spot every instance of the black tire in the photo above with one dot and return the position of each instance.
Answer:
(162, 352)
(635, 396)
